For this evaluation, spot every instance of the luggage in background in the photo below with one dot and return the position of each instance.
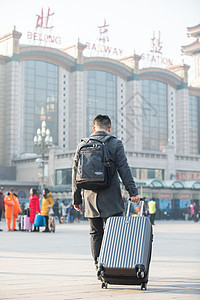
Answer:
(39, 220)
(52, 223)
(25, 223)
(126, 251)
(28, 212)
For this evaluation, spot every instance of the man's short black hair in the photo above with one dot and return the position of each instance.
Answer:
(102, 121)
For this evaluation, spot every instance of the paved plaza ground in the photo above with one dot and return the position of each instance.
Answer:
(59, 266)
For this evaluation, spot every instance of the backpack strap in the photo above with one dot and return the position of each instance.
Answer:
(86, 140)
(104, 140)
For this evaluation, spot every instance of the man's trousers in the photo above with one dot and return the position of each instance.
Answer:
(96, 235)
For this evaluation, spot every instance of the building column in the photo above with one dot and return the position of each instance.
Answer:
(182, 121)
(13, 107)
(134, 116)
(2, 110)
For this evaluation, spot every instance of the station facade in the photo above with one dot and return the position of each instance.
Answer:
(154, 111)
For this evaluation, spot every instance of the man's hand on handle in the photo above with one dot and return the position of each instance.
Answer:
(135, 198)
(79, 207)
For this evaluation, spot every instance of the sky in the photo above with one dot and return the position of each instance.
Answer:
(132, 22)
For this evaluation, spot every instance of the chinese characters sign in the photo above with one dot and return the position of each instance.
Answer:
(43, 29)
(156, 44)
(41, 22)
(102, 47)
(155, 55)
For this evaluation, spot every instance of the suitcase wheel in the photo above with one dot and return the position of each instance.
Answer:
(104, 285)
(144, 286)
(140, 274)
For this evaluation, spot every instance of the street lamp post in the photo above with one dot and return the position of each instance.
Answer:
(43, 140)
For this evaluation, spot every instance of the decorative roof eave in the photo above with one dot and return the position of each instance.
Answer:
(194, 30)
(192, 48)
(47, 54)
(175, 68)
(13, 34)
(161, 75)
(108, 65)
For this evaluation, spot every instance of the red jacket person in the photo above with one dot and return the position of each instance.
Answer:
(34, 205)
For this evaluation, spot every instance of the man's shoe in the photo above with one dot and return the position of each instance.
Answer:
(15, 230)
(1, 229)
(9, 229)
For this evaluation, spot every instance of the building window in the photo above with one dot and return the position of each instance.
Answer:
(101, 97)
(64, 176)
(155, 115)
(40, 100)
(147, 173)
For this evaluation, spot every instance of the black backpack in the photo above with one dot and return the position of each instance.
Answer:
(94, 171)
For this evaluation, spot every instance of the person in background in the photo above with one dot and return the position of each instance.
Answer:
(145, 208)
(192, 211)
(137, 209)
(196, 212)
(70, 216)
(23, 207)
(168, 212)
(64, 210)
(12, 208)
(47, 202)
(34, 205)
(56, 209)
(1, 203)
(187, 212)
(152, 210)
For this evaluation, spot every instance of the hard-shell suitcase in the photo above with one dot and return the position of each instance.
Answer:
(126, 251)
(25, 223)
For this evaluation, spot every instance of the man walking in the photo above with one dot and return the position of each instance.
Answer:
(12, 208)
(99, 205)
(1, 203)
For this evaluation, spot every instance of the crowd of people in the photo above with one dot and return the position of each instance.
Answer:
(190, 212)
(10, 206)
(64, 211)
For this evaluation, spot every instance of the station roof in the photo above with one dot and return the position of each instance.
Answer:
(168, 184)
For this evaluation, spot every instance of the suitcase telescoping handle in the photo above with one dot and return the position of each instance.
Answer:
(141, 207)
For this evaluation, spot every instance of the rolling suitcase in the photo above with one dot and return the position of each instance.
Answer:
(25, 223)
(126, 250)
